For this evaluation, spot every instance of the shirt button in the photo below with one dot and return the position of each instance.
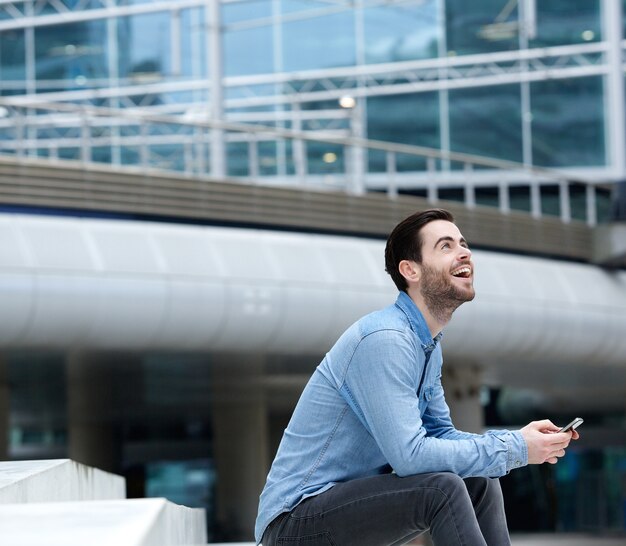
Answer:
(518, 463)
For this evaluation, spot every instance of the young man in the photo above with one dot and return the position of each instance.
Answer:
(370, 456)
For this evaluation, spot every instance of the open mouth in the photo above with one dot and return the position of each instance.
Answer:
(464, 272)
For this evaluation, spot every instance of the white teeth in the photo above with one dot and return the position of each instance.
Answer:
(461, 271)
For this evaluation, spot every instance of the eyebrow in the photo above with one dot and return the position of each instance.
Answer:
(448, 238)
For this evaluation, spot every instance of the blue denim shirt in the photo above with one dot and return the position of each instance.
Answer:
(376, 404)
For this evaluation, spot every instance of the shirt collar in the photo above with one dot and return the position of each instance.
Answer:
(417, 321)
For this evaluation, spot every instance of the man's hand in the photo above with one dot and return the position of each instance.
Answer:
(545, 442)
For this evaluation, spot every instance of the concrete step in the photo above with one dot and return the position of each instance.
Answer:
(56, 480)
(133, 522)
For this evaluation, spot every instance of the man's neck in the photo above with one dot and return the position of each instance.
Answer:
(435, 324)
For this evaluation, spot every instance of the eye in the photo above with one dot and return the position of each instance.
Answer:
(445, 246)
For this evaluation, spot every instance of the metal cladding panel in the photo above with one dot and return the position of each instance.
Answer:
(17, 294)
(69, 282)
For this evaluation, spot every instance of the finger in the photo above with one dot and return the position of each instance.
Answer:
(575, 435)
(545, 424)
(552, 460)
(562, 438)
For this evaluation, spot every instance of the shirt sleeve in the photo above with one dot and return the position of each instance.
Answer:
(380, 386)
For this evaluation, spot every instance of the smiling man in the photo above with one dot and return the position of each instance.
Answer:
(370, 456)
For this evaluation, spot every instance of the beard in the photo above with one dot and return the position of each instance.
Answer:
(441, 295)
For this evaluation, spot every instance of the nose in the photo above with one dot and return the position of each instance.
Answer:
(464, 253)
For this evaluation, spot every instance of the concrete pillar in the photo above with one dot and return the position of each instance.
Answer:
(462, 389)
(240, 443)
(91, 432)
(5, 409)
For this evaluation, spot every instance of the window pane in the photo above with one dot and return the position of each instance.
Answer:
(400, 32)
(324, 41)
(12, 56)
(74, 52)
(561, 22)
(406, 119)
(145, 41)
(248, 50)
(488, 26)
(487, 121)
(193, 43)
(568, 125)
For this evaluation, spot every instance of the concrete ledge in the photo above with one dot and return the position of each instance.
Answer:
(134, 522)
(68, 185)
(56, 480)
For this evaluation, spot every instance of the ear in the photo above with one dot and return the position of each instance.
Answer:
(410, 270)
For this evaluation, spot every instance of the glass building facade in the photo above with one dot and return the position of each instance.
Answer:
(433, 73)
(536, 83)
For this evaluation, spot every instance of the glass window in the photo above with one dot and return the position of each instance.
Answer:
(49, 7)
(319, 41)
(401, 32)
(193, 43)
(146, 43)
(568, 122)
(488, 26)
(561, 22)
(248, 50)
(12, 56)
(486, 121)
(407, 119)
(72, 52)
(11, 11)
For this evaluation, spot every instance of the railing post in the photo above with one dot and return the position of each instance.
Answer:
(356, 169)
(144, 152)
(19, 133)
(432, 191)
(85, 138)
(470, 192)
(564, 202)
(592, 214)
(392, 188)
(535, 199)
(298, 145)
(253, 158)
(504, 201)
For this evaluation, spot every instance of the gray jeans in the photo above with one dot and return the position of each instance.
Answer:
(388, 510)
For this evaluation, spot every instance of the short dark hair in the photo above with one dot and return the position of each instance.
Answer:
(405, 242)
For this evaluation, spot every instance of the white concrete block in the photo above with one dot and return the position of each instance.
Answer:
(133, 522)
(56, 480)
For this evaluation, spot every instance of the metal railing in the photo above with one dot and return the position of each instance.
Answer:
(273, 155)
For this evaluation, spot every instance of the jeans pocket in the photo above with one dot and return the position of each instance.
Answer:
(318, 539)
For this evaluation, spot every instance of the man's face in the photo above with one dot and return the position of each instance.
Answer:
(447, 271)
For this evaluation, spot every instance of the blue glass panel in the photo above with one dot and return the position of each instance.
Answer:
(561, 22)
(568, 122)
(12, 56)
(11, 11)
(74, 52)
(193, 47)
(320, 41)
(245, 11)
(406, 119)
(400, 32)
(144, 45)
(486, 121)
(248, 51)
(485, 27)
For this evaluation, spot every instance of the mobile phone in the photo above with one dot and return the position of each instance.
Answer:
(574, 424)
